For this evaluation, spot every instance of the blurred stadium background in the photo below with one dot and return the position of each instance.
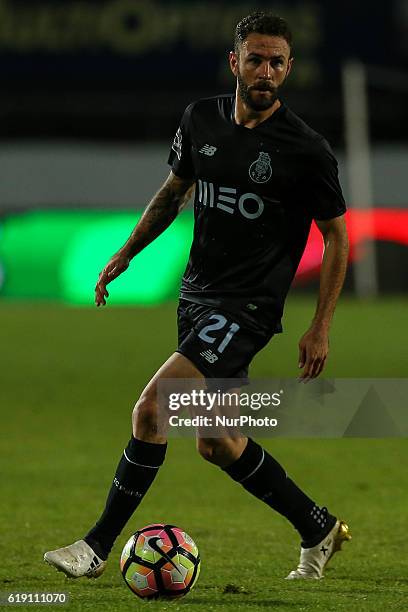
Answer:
(92, 93)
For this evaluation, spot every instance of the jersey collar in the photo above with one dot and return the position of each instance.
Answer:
(274, 115)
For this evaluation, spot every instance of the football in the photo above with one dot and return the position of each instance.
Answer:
(160, 561)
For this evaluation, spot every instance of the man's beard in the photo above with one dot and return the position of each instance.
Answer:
(260, 105)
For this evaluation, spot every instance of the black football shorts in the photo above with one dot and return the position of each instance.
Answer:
(219, 344)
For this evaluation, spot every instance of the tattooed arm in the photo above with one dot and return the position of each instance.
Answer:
(158, 215)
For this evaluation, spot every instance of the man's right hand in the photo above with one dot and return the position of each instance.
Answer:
(115, 266)
(161, 211)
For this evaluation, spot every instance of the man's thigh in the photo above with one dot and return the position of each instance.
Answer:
(176, 366)
(150, 416)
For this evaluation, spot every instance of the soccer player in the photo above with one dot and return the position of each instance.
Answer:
(260, 176)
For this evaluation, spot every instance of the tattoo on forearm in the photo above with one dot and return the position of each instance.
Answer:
(159, 214)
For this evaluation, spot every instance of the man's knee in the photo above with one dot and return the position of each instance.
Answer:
(144, 416)
(221, 451)
(206, 449)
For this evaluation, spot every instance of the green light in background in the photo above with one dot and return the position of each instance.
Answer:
(153, 276)
(32, 245)
(59, 254)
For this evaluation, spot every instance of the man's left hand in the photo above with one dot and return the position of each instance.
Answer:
(313, 350)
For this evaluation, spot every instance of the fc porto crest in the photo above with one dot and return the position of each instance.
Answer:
(260, 170)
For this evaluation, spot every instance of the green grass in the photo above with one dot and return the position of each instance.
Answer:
(69, 380)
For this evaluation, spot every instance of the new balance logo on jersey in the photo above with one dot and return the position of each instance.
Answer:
(250, 205)
(209, 356)
(177, 143)
(208, 150)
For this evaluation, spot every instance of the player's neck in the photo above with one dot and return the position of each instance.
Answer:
(249, 118)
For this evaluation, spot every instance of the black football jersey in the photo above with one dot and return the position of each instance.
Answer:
(257, 191)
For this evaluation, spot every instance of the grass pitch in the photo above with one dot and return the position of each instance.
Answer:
(69, 380)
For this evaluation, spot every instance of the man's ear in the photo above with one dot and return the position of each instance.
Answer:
(233, 62)
(290, 64)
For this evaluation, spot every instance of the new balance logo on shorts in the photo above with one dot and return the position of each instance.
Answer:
(209, 356)
(208, 150)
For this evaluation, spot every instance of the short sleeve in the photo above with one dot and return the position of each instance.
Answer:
(180, 158)
(323, 190)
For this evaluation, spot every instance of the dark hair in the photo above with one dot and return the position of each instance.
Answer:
(261, 23)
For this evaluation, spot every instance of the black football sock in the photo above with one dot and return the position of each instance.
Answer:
(264, 477)
(135, 473)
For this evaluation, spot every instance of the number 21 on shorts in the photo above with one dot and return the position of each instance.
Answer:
(220, 323)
